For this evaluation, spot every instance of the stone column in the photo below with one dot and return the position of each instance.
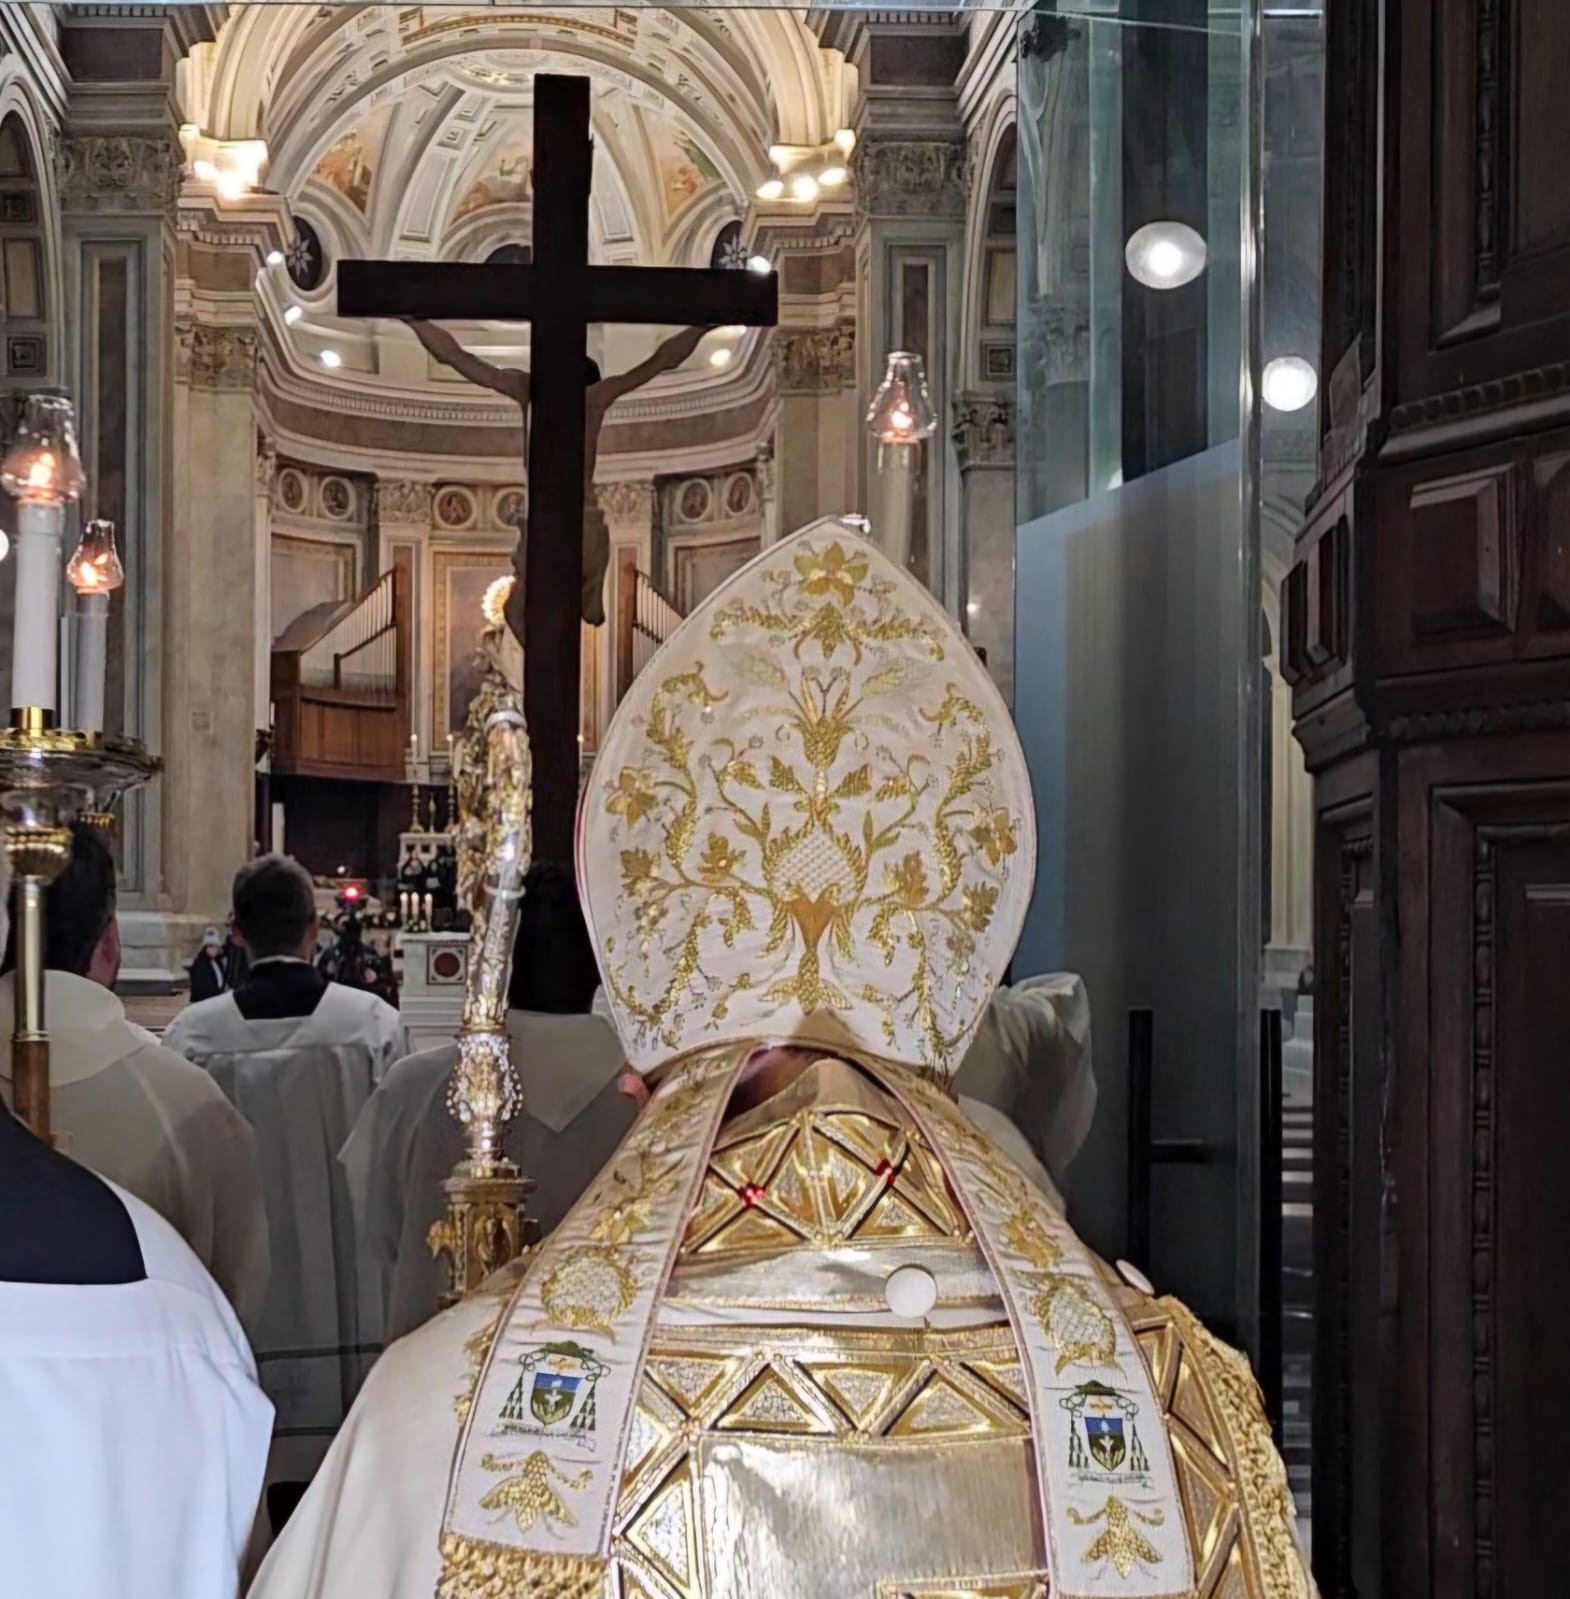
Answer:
(817, 445)
(262, 533)
(630, 510)
(768, 495)
(909, 174)
(401, 519)
(984, 451)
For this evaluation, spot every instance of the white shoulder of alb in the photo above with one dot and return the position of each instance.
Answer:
(170, 1263)
(191, 1027)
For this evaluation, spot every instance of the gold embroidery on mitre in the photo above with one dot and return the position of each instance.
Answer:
(813, 813)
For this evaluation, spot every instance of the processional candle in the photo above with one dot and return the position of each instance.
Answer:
(95, 573)
(44, 472)
(899, 418)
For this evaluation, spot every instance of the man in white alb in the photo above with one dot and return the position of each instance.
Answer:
(135, 1432)
(406, 1141)
(298, 1056)
(126, 1106)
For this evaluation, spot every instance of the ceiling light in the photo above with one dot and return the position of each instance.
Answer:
(331, 358)
(734, 331)
(758, 264)
(804, 187)
(845, 141)
(771, 190)
(1165, 255)
(204, 170)
(1288, 383)
(231, 186)
(292, 314)
(832, 177)
(275, 258)
(973, 608)
(721, 357)
(779, 154)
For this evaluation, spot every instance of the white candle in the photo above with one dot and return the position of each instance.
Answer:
(92, 650)
(897, 464)
(428, 903)
(403, 907)
(35, 632)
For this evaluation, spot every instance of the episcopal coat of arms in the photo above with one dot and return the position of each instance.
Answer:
(554, 1392)
(1101, 1423)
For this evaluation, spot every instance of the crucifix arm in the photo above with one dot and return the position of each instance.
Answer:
(666, 358)
(441, 344)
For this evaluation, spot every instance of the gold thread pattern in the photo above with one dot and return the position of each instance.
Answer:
(529, 1493)
(1120, 1540)
(836, 848)
(472, 1569)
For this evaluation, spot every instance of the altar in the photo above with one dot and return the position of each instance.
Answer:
(431, 970)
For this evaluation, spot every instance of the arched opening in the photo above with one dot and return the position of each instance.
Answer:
(24, 263)
(998, 288)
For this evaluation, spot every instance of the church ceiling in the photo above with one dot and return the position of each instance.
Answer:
(409, 126)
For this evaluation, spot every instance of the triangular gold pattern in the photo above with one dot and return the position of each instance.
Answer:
(645, 1438)
(861, 1391)
(891, 1217)
(753, 1160)
(664, 1533)
(1191, 1405)
(941, 1409)
(752, 1229)
(691, 1380)
(716, 1202)
(1007, 1377)
(1159, 1347)
(1208, 1498)
(1231, 1581)
(769, 1405)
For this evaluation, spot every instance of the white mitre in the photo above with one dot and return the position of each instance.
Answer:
(810, 820)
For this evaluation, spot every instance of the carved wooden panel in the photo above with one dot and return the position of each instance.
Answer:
(1498, 1126)
(1482, 237)
(1551, 541)
(1465, 553)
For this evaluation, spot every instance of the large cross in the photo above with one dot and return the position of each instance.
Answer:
(559, 294)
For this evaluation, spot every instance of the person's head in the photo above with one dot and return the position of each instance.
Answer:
(553, 966)
(212, 940)
(591, 370)
(81, 934)
(275, 908)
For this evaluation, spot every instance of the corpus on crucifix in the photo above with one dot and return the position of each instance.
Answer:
(559, 294)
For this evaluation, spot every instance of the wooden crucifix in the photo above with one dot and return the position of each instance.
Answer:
(559, 294)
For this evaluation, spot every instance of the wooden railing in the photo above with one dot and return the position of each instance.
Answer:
(341, 692)
(645, 618)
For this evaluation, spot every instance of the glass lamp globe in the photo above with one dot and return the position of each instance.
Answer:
(1165, 255)
(1288, 383)
(42, 466)
(95, 566)
(901, 411)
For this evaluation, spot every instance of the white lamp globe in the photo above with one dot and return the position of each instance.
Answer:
(1165, 255)
(1288, 383)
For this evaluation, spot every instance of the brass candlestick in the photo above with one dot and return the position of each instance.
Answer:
(48, 778)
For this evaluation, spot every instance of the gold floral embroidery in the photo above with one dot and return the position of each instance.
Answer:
(828, 834)
(1120, 1541)
(530, 1493)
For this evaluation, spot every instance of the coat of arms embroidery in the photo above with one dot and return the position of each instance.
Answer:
(554, 1392)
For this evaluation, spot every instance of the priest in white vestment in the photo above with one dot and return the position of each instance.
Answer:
(809, 1335)
(406, 1142)
(129, 1108)
(299, 1056)
(135, 1432)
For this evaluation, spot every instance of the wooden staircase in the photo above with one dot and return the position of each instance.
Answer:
(341, 688)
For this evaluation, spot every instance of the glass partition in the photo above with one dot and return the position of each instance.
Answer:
(1138, 665)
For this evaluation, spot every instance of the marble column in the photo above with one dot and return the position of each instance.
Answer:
(768, 495)
(818, 439)
(402, 516)
(266, 476)
(630, 512)
(984, 451)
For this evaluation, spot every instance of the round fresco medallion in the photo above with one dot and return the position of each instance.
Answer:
(692, 504)
(509, 507)
(454, 508)
(305, 259)
(291, 490)
(738, 495)
(337, 499)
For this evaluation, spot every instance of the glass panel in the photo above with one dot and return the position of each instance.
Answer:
(1137, 610)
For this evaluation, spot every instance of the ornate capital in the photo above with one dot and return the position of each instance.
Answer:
(266, 468)
(404, 500)
(984, 430)
(816, 360)
(909, 178)
(215, 357)
(627, 504)
(117, 172)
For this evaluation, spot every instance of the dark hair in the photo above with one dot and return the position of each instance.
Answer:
(591, 370)
(274, 904)
(553, 966)
(78, 906)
